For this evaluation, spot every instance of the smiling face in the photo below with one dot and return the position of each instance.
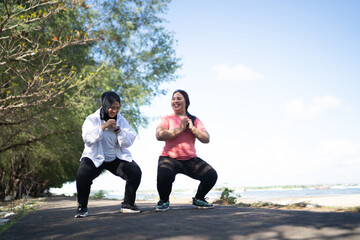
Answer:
(114, 109)
(178, 103)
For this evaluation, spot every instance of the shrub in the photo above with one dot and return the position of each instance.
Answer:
(99, 194)
(225, 197)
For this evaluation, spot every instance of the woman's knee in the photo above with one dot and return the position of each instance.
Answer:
(136, 172)
(83, 178)
(165, 175)
(210, 176)
(86, 171)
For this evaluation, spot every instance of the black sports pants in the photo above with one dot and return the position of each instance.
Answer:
(195, 168)
(87, 172)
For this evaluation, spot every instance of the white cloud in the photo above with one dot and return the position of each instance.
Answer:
(297, 109)
(239, 73)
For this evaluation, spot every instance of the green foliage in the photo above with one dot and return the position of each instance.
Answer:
(225, 196)
(137, 50)
(266, 205)
(99, 194)
(57, 58)
(299, 205)
(19, 211)
(352, 209)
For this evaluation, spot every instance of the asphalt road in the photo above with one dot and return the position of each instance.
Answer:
(54, 219)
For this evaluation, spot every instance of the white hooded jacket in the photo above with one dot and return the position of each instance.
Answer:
(92, 134)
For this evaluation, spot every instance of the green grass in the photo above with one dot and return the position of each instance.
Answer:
(99, 194)
(20, 209)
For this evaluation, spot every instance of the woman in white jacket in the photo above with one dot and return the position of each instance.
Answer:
(107, 135)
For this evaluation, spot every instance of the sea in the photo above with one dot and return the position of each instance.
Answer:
(248, 193)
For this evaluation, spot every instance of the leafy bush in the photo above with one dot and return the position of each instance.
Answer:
(99, 194)
(225, 197)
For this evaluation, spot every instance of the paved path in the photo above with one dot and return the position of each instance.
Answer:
(55, 220)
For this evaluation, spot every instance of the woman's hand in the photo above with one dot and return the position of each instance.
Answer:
(203, 136)
(184, 124)
(109, 123)
(190, 124)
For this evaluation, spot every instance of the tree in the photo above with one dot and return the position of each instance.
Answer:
(56, 57)
(137, 49)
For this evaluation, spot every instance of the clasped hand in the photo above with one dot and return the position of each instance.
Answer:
(111, 123)
(186, 123)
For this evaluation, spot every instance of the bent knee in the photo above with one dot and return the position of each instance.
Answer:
(211, 175)
(165, 175)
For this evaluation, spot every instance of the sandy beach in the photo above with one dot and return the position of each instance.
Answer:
(340, 201)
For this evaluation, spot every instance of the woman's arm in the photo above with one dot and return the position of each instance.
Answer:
(91, 132)
(163, 134)
(203, 136)
(126, 135)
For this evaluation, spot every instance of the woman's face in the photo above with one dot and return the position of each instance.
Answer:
(114, 109)
(178, 103)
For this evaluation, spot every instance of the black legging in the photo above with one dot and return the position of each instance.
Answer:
(195, 168)
(87, 172)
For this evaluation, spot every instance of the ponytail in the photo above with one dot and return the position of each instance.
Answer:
(192, 117)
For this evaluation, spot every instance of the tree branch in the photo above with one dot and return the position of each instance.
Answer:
(33, 140)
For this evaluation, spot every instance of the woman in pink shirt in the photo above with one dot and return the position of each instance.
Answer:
(179, 130)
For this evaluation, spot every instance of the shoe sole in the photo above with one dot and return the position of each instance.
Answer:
(125, 210)
(161, 209)
(81, 215)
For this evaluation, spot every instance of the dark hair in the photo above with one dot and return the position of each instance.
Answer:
(187, 104)
(107, 99)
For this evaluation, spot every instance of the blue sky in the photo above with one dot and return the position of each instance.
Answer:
(276, 84)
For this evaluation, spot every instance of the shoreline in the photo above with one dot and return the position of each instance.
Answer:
(341, 201)
(332, 197)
